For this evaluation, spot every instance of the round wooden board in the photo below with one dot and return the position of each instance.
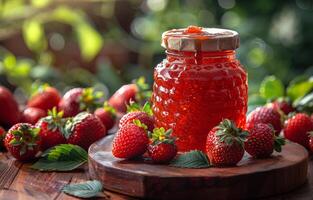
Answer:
(250, 179)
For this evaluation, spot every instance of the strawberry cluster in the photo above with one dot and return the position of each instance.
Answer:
(137, 136)
(81, 116)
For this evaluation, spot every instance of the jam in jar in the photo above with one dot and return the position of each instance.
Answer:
(198, 84)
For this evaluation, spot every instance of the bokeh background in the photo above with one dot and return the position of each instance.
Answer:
(108, 43)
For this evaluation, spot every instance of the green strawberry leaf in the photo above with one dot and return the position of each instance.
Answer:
(298, 89)
(271, 88)
(305, 104)
(86, 189)
(191, 159)
(64, 157)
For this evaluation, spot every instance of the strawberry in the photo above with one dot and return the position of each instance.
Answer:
(107, 115)
(9, 112)
(51, 129)
(262, 141)
(32, 115)
(224, 145)
(2, 136)
(130, 141)
(79, 99)
(282, 105)
(143, 114)
(163, 148)
(136, 91)
(84, 129)
(45, 97)
(297, 129)
(23, 141)
(266, 115)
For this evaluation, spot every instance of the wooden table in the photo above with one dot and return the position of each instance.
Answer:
(18, 181)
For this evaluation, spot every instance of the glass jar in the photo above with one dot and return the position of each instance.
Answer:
(198, 84)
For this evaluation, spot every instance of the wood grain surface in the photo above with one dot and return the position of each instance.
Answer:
(250, 179)
(18, 182)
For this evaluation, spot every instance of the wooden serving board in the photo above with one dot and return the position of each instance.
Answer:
(250, 179)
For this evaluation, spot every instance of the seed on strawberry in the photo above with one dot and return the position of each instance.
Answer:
(266, 115)
(44, 97)
(311, 141)
(2, 136)
(283, 106)
(130, 141)
(224, 145)
(162, 148)
(80, 99)
(9, 112)
(51, 129)
(262, 141)
(84, 129)
(137, 91)
(32, 115)
(297, 128)
(107, 115)
(23, 141)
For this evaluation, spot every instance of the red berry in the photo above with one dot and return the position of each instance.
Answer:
(162, 148)
(123, 96)
(282, 105)
(266, 115)
(107, 115)
(130, 141)
(162, 153)
(311, 142)
(51, 129)
(45, 98)
(32, 115)
(9, 112)
(140, 115)
(224, 145)
(84, 129)
(193, 29)
(297, 128)
(262, 141)
(77, 100)
(23, 141)
(2, 136)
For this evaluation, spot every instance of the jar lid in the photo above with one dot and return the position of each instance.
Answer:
(196, 39)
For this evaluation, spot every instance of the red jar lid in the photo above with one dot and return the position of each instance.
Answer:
(195, 39)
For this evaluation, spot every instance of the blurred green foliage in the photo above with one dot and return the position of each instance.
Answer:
(118, 40)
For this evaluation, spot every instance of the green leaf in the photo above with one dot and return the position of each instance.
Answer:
(64, 157)
(298, 89)
(86, 189)
(305, 104)
(34, 35)
(191, 159)
(271, 88)
(89, 40)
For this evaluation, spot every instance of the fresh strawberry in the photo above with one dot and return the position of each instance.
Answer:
(23, 141)
(224, 145)
(32, 115)
(143, 114)
(84, 129)
(163, 148)
(130, 141)
(77, 100)
(107, 115)
(311, 141)
(297, 129)
(2, 136)
(262, 141)
(266, 115)
(44, 97)
(51, 129)
(9, 112)
(282, 105)
(136, 91)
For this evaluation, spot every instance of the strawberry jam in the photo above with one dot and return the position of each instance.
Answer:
(199, 83)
